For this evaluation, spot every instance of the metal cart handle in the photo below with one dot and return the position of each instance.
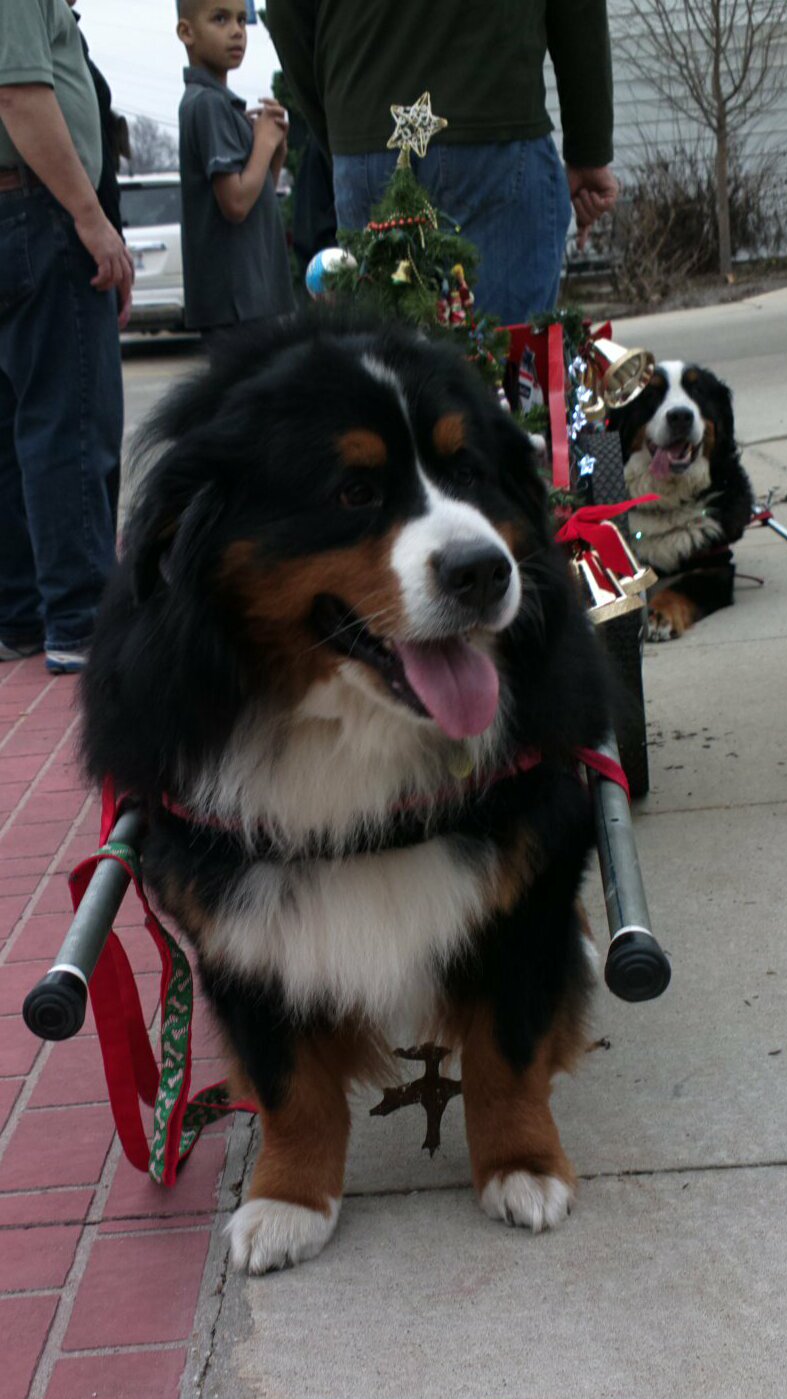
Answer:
(55, 1008)
(637, 969)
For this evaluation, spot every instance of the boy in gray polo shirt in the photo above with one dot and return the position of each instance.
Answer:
(235, 264)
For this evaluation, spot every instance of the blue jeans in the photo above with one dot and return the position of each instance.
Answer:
(510, 198)
(61, 424)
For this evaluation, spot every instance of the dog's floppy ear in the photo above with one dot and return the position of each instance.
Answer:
(717, 405)
(167, 545)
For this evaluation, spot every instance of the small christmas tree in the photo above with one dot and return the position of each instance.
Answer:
(411, 263)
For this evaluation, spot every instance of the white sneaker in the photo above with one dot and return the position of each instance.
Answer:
(65, 662)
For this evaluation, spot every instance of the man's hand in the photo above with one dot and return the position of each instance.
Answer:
(593, 191)
(106, 247)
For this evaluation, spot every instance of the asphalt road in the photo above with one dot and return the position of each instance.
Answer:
(150, 364)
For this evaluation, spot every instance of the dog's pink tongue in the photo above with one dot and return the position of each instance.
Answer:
(660, 464)
(458, 684)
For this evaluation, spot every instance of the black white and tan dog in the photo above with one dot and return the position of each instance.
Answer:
(678, 440)
(343, 665)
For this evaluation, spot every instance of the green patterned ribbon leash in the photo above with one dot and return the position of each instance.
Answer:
(132, 1073)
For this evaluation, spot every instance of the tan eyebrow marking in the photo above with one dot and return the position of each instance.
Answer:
(362, 447)
(448, 434)
(691, 376)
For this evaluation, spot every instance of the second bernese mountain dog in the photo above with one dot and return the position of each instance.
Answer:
(678, 441)
(343, 665)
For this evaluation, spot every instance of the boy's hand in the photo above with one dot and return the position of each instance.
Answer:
(270, 124)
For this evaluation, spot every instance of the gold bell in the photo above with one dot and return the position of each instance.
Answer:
(601, 589)
(594, 409)
(621, 373)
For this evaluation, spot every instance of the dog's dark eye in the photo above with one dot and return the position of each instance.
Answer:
(464, 474)
(359, 495)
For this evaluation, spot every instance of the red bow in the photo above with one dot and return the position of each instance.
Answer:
(590, 524)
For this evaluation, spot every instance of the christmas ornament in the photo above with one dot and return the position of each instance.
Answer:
(619, 375)
(609, 576)
(601, 590)
(431, 1090)
(404, 272)
(530, 391)
(415, 127)
(324, 263)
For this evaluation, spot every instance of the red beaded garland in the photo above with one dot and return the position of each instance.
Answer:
(400, 221)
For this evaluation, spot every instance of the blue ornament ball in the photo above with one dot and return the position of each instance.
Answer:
(329, 260)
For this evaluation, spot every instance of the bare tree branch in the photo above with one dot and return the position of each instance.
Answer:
(152, 146)
(712, 61)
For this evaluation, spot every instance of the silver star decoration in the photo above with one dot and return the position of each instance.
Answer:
(415, 127)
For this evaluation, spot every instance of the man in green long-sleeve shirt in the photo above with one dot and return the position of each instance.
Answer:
(494, 169)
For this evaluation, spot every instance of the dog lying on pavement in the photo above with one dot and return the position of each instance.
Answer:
(678, 440)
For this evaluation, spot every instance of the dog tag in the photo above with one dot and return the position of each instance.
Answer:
(460, 763)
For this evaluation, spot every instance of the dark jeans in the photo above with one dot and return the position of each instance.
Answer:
(510, 198)
(61, 423)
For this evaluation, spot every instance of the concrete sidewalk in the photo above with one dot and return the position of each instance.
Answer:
(668, 1281)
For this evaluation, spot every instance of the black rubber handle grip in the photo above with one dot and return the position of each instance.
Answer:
(636, 968)
(55, 1008)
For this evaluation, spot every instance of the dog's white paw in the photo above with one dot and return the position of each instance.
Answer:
(269, 1234)
(529, 1201)
(659, 628)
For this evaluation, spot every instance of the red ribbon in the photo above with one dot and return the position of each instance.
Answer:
(590, 524)
(556, 399)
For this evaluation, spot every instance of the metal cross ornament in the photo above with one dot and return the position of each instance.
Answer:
(415, 127)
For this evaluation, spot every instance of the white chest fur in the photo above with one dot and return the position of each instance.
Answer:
(668, 532)
(367, 933)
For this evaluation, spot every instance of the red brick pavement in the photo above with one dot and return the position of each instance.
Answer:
(100, 1270)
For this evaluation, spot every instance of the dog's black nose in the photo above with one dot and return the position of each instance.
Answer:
(474, 574)
(680, 421)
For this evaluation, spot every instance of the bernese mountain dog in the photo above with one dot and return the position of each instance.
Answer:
(343, 665)
(678, 440)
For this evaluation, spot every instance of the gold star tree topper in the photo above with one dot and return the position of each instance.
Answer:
(415, 127)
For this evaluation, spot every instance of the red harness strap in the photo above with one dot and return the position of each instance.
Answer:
(605, 766)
